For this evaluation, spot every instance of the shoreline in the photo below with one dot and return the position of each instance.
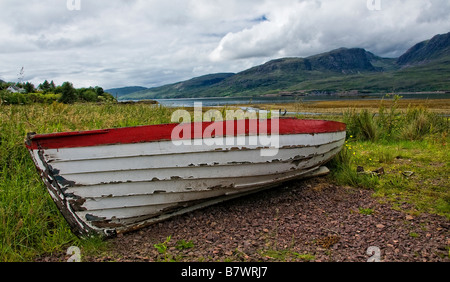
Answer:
(440, 106)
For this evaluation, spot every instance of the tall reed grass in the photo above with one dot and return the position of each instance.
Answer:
(391, 124)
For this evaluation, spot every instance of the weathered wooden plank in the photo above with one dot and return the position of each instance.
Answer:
(155, 174)
(167, 147)
(174, 186)
(209, 158)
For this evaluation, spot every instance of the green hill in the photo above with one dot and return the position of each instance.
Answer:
(428, 50)
(189, 88)
(122, 91)
(424, 67)
(433, 76)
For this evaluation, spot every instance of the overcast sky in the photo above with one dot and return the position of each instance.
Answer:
(115, 43)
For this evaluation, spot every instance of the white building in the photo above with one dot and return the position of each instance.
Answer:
(15, 89)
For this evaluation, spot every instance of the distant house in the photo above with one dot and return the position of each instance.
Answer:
(15, 89)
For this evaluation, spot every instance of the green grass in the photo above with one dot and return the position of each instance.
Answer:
(366, 211)
(412, 148)
(427, 189)
(30, 223)
(286, 255)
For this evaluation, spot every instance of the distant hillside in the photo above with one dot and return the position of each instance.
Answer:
(271, 77)
(344, 60)
(124, 90)
(433, 76)
(282, 74)
(188, 88)
(343, 69)
(425, 51)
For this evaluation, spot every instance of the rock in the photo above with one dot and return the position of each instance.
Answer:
(408, 173)
(379, 171)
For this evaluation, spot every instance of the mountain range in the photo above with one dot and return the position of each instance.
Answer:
(423, 67)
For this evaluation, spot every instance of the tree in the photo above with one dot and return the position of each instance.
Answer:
(29, 87)
(45, 86)
(99, 91)
(69, 94)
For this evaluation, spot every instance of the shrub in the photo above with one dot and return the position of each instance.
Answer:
(69, 94)
(89, 96)
(9, 98)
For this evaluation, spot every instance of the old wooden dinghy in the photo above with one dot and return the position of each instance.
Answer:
(117, 180)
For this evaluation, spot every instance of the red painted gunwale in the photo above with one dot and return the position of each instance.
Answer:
(162, 132)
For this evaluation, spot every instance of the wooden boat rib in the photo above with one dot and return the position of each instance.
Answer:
(117, 180)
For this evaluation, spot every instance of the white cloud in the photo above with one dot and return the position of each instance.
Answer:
(303, 28)
(136, 42)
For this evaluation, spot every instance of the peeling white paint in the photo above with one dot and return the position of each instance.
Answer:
(122, 187)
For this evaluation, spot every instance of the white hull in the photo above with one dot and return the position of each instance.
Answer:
(116, 188)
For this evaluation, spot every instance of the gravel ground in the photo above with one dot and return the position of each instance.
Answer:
(310, 220)
(304, 220)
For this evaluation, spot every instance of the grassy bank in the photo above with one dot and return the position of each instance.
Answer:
(31, 225)
(402, 155)
(404, 172)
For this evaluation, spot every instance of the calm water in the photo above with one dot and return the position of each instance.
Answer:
(209, 102)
